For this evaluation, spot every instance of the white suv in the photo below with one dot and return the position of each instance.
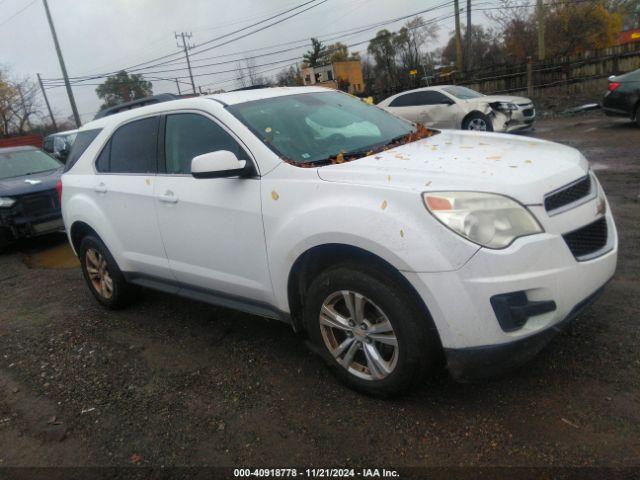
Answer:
(391, 246)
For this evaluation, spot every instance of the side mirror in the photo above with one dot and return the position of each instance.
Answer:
(218, 164)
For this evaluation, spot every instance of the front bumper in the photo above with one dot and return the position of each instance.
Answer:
(541, 267)
(20, 221)
(467, 364)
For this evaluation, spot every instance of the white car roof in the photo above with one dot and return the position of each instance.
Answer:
(227, 98)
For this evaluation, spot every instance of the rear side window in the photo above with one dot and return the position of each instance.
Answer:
(415, 99)
(131, 149)
(189, 135)
(82, 142)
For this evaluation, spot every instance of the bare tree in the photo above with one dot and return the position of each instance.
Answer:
(19, 105)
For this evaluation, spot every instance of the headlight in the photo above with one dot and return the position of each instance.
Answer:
(504, 106)
(491, 220)
(6, 202)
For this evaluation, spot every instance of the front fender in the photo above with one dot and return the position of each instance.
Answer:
(392, 224)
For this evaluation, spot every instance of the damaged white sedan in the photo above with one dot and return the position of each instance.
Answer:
(452, 106)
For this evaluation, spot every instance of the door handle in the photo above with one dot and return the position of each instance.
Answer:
(168, 197)
(100, 188)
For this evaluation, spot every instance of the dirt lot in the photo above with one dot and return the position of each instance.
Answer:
(174, 382)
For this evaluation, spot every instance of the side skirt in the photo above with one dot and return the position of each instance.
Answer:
(212, 297)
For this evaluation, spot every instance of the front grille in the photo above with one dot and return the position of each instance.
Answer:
(40, 203)
(588, 239)
(568, 194)
(528, 112)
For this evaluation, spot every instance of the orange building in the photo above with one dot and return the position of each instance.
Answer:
(629, 36)
(345, 76)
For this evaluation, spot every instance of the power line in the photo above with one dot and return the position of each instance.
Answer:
(353, 31)
(17, 13)
(134, 67)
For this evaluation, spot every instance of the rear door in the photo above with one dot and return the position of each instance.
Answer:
(123, 190)
(212, 228)
(428, 107)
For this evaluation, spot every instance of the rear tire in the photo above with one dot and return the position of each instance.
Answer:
(477, 121)
(103, 277)
(363, 355)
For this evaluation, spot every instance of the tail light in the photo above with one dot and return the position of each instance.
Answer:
(613, 86)
(59, 189)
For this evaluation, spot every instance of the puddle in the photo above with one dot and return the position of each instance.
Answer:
(57, 257)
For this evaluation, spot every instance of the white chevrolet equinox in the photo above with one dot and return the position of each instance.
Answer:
(391, 246)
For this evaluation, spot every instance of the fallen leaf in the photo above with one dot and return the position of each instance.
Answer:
(135, 458)
(389, 178)
(402, 233)
(494, 157)
(569, 423)
(275, 195)
(384, 205)
(428, 183)
(528, 161)
(340, 158)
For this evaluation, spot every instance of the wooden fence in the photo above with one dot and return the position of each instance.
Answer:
(587, 66)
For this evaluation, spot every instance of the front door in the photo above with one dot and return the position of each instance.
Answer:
(211, 228)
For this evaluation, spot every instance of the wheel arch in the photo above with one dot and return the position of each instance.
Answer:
(78, 231)
(320, 257)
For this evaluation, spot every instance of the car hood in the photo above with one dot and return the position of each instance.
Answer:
(37, 182)
(519, 167)
(499, 98)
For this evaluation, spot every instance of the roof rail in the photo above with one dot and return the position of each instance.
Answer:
(141, 102)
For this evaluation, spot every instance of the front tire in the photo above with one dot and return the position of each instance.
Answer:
(103, 277)
(478, 121)
(371, 332)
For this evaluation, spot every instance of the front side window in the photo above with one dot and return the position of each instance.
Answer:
(18, 163)
(313, 127)
(189, 135)
(132, 148)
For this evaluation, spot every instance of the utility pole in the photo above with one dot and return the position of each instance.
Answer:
(46, 100)
(24, 108)
(72, 101)
(540, 19)
(456, 7)
(469, 37)
(178, 87)
(184, 36)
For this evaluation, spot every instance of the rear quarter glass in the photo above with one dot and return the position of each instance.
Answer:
(82, 142)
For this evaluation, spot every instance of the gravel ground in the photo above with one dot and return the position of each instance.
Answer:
(175, 382)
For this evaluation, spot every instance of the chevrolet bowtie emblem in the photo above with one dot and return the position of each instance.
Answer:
(32, 182)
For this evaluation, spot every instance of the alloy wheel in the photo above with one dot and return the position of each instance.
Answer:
(478, 124)
(359, 335)
(99, 276)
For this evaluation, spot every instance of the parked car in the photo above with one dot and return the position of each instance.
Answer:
(623, 96)
(29, 204)
(387, 243)
(59, 144)
(452, 106)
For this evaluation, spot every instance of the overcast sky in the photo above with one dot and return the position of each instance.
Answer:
(99, 36)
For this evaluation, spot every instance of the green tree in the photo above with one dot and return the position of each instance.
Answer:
(316, 55)
(123, 87)
(383, 51)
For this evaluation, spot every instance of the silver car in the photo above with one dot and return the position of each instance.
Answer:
(453, 106)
